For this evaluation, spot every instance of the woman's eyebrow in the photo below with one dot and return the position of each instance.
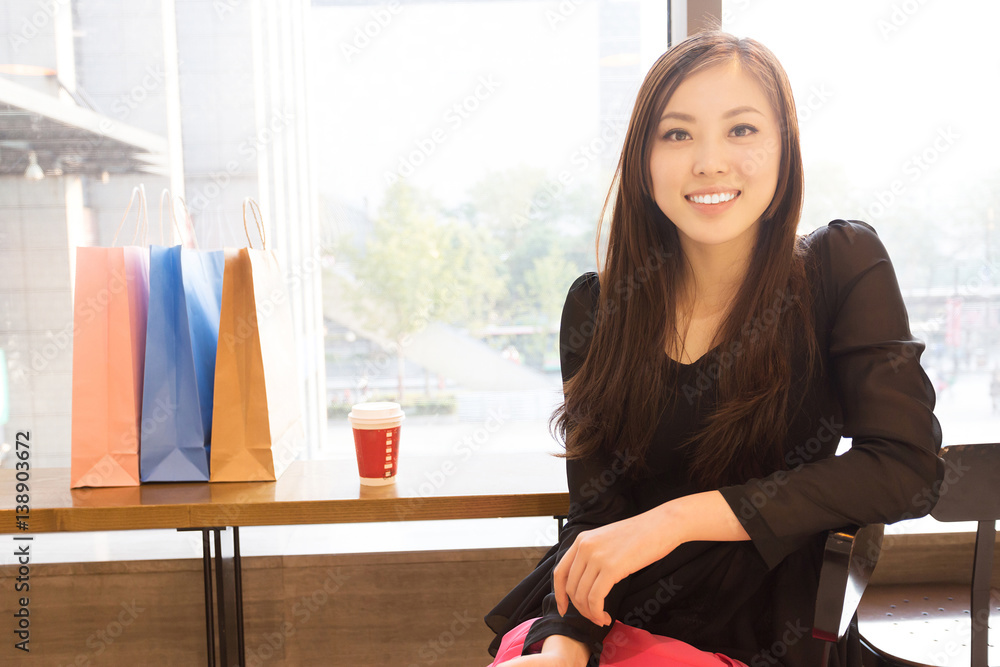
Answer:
(687, 118)
(738, 110)
(677, 115)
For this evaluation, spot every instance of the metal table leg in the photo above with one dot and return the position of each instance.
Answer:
(229, 596)
(226, 606)
(206, 567)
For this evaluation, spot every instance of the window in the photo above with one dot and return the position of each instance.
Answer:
(431, 175)
(897, 131)
(483, 132)
(468, 148)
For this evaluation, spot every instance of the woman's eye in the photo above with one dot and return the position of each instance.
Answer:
(743, 130)
(676, 135)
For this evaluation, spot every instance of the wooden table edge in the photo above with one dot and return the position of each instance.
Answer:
(294, 512)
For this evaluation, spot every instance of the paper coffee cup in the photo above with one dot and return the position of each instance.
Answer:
(376, 440)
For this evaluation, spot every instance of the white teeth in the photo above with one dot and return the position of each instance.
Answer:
(716, 198)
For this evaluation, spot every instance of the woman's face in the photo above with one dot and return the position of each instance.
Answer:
(715, 158)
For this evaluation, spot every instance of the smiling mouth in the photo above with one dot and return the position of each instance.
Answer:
(714, 198)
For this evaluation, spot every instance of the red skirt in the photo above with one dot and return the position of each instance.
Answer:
(626, 646)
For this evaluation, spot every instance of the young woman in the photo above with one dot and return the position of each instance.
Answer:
(709, 371)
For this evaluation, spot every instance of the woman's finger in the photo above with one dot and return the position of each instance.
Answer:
(559, 577)
(580, 592)
(596, 597)
(576, 572)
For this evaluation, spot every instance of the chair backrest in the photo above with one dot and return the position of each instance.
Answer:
(848, 561)
(970, 490)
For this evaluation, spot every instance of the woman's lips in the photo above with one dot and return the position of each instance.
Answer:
(713, 197)
(715, 202)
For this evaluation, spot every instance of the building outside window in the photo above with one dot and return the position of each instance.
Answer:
(431, 175)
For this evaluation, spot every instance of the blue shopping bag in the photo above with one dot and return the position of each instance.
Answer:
(181, 340)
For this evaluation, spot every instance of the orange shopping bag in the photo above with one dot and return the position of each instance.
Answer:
(109, 345)
(257, 419)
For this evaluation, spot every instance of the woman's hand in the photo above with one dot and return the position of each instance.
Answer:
(557, 651)
(602, 557)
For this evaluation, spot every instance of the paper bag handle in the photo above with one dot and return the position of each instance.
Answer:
(173, 217)
(257, 215)
(187, 215)
(141, 215)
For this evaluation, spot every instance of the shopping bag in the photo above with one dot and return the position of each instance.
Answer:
(257, 426)
(185, 292)
(109, 339)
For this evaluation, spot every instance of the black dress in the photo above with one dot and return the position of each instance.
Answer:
(753, 600)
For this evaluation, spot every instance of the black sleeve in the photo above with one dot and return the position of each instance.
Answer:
(596, 491)
(892, 470)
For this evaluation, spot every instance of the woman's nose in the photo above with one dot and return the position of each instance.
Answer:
(710, 158)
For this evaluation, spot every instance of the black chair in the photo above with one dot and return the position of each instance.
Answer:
(848, 561)
(969, 492)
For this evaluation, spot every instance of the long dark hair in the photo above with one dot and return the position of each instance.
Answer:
(614, 402)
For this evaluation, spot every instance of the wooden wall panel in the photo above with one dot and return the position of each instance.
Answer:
(394, 609)
(944, 558)
(412, 609)
(89, 614)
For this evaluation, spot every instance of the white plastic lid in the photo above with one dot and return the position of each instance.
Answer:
(375, 411)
